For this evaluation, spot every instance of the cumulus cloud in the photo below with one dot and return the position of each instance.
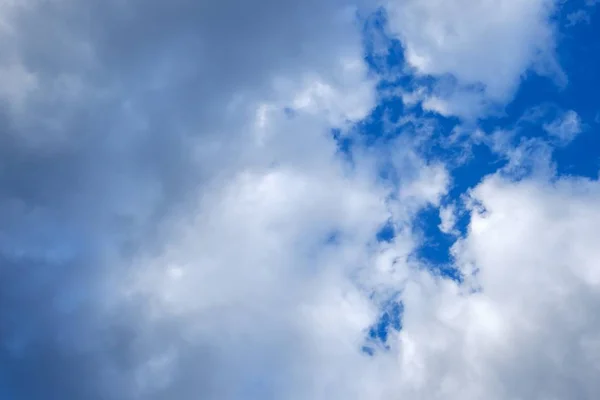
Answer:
(137, 135)
(479, 50)
(178, 221)
(529, 329)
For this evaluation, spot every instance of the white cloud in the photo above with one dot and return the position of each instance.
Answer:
(565, 127)
(531, 330)
(176, 223)
(486, 47)
(164, 218)
(170, 188)
(448, 219)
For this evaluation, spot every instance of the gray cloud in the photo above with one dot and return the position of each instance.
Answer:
(165, 224)
(118, 115)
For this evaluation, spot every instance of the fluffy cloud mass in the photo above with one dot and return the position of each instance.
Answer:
(482, 49)
(524, 325)
(182, 217)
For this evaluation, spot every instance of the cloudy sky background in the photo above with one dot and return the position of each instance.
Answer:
(290, 200)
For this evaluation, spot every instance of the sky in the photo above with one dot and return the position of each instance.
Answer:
(292, 200)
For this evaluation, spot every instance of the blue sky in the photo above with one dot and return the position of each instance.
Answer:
(576, 52)
(333, 199)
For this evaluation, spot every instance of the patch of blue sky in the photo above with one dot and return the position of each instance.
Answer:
(434, 250)
(578, 54)
(390, 319)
